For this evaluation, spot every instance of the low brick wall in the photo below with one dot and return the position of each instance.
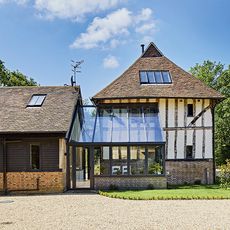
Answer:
(180, 172)
(35, 181)
(130, 182)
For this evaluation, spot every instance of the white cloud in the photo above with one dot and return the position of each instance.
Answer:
(113, 29)
(145, 15)
(19, 2)
(73, 9)
(101, 30)
(145, 28)
(110, 62)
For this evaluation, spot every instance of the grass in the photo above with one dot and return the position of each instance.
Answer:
(175, 193)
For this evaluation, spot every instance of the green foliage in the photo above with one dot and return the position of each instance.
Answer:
(155, 168)
(225, 175)
(14, 78)
(216, 76)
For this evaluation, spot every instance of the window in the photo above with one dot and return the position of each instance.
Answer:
(155, 160)
(119, 160)
(137, 160)
(190, 110)
(155, 77)
(35, 156)
(189, 150)
(36, 100)
(101, 160)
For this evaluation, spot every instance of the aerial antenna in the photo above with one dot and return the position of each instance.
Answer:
(76, 65)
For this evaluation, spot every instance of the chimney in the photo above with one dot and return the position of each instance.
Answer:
(143, 48)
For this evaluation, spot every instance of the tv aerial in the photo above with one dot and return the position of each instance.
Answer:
(76, 66)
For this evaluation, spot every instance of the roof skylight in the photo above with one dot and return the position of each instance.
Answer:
(37, 100)
(155, 77)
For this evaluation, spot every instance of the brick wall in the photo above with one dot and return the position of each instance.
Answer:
(47, 181)
(130, 182)
(180, 172)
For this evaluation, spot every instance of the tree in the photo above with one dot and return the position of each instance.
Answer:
(216, 76)
(14, 78)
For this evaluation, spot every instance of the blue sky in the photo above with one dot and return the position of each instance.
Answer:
(40, 37)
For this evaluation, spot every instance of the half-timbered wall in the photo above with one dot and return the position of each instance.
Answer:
(177, 134)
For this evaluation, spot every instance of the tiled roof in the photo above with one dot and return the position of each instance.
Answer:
(184, 85)
(53, 116)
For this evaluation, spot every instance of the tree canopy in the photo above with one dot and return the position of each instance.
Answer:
(217, 76)
(14, 78)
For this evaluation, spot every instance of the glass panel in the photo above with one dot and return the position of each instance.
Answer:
(166, 77)
(103, 126)
(33, 100)
(40, 100)
(120, 125)
(158, 76)
(153, 127)
(144, 78)
(155, 160)
(137, 126)
(101, 161)
(87, 122)
(151, 76)
(137, 160)
(119, 160)
(76, 130)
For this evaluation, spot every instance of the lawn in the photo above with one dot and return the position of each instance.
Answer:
(176, 193)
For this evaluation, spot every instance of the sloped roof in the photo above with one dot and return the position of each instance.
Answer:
(184, 85)
(53, 116)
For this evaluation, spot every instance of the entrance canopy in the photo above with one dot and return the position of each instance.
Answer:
(116, 125)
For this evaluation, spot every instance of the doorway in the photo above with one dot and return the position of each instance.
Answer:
(80, 168)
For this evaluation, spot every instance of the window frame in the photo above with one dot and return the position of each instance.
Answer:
(31, 162)
(36, 105)
(154, 73)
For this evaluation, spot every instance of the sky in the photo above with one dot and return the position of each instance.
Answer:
(41, 37)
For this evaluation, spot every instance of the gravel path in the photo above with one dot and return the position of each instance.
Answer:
(91, 211)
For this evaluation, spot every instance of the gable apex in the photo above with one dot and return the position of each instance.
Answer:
(152, 51)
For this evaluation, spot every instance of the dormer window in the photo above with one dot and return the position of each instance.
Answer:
(155, 77)
(36, 100)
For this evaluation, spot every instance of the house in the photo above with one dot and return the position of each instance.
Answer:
(33, 125)
(150, 127)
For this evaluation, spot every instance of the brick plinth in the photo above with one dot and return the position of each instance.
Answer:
(130, 182)
(35, 181)
(181, 172)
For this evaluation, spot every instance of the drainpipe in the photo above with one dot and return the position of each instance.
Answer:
(4, 167)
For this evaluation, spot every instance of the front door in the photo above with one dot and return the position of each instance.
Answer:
(80, 168)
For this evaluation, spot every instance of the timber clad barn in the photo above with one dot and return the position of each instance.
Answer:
(150, 127)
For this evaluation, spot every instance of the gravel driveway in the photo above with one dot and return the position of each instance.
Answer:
(91, 211)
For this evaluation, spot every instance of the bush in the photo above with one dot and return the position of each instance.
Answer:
(197, 182)
(225, 175)
(113, 187)
(150, 186)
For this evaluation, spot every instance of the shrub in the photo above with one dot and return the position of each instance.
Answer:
(225, 175)
(197, 182)
(150, 186)
(113, 187)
